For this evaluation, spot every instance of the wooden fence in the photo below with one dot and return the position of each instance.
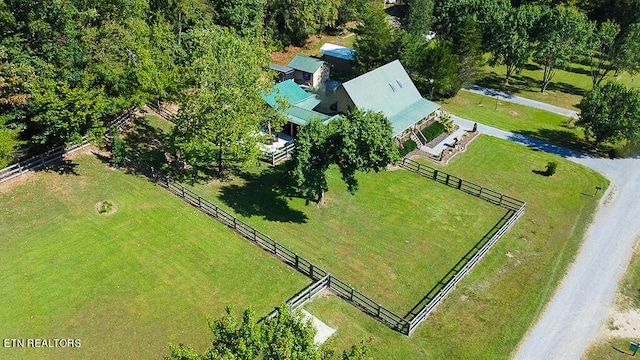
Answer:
(279, 155)
(449, 281)
(515, 209)
(272, 157)
(468, 187)
(289, 257)
(42, 160)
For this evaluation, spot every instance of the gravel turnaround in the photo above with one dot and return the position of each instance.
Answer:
(581, 303)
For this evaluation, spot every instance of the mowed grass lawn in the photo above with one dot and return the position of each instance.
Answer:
(393, 240)
(566, 89)
(491, 309)
(127, 284)
(524, 120)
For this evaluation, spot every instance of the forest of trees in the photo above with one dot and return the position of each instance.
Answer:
(67, 65)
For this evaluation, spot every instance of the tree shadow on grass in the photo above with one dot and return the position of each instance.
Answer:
(63, 167)
(263, 195)
(563, 139)
(517, 83)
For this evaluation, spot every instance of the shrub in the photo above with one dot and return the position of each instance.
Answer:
(447, 121)
(433, 131)
(551, 168)
(117, 149)
(408, 146)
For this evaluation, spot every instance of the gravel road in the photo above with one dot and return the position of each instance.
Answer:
(581, 303)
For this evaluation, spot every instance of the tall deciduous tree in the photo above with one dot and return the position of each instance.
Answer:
(311, 160)
(628, 55)
(221, 108)
(602, 51)
(610, 113)
(361, 141)
(561, 35)
(374, 41)
(512, 43)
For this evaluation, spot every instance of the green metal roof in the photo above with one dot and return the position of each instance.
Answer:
(305, 63)
(388, 89)
(412, 114)
(302, 116)
(289, 90)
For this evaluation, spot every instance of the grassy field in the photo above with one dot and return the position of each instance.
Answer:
(492, 308)
(127, 284)
(520, 119)
(393, 240)
(565, 90)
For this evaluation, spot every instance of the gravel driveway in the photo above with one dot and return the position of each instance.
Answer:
(581, 303)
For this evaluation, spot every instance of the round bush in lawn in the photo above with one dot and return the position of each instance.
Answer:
(106, 207)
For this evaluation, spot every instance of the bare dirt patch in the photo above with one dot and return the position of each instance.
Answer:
(514, 113)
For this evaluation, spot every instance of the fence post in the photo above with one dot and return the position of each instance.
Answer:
(215, 207)
(311, 270)
(500, 202)
(182, 191)
(199, 202)
(42, 160)
(329, 281)
(419, 167)
(378, 310)
(255, 238)
(234, 223)
(435, 174)
(297, 261)
(459, 184)
(447, 181)
(351, 298)
(20, 168)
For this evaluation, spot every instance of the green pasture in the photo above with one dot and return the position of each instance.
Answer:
(393, 240)
(493, 307)
(127, 284)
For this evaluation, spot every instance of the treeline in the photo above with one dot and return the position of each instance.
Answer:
(552, 34)
(66, 65)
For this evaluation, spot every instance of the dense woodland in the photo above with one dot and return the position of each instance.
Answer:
(67, 65)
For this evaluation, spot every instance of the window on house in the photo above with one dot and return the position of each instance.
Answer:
(392, 87)
(399, 83)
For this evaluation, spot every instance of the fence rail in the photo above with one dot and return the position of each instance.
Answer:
(449, 282)
(42, 160)
(468, 187)
(279, 155)
(289, 257)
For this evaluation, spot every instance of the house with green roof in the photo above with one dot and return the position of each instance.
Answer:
(387, 89)
(310, 71)
(301, 105)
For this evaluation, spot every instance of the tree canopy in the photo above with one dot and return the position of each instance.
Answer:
(283, 336)
(221, 108)
(359, 141)
(610, 113)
